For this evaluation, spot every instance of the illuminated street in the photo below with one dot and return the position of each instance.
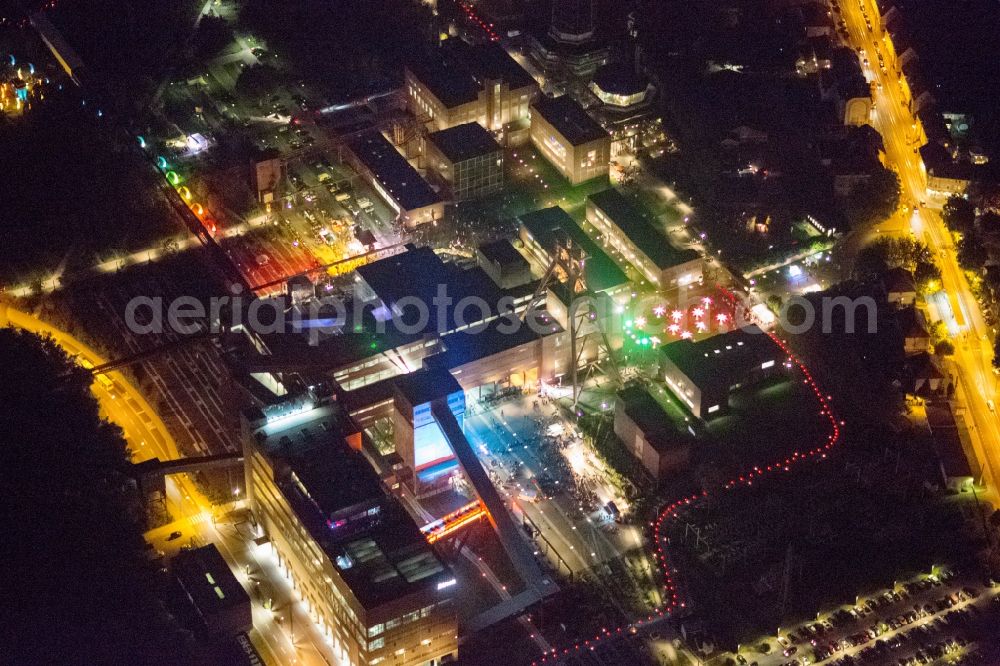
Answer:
(520, 332)
(902, 133)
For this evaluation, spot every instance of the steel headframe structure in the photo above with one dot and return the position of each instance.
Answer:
(568, 266)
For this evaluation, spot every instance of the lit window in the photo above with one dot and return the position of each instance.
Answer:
(376, 644)
(376, 630)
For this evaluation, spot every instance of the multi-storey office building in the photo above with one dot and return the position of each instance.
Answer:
(366, 574)
(468, 159)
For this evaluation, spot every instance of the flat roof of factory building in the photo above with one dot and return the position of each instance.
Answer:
(397, 177)
(464, 142)
(724, 359)
(641, 229)
(570, 120)
(376, 547)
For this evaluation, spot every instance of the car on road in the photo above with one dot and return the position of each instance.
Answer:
(176, 534)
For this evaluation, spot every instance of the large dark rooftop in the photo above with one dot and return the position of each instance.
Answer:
(650, 418)
(208, 581)
(457, 72)
(637, 225)
(392, 170)
(375, 545)
(450, 83)
(620, 78)
(426, 384)
(488, 62)
(464, 142)
(723, 360)
(569, 119)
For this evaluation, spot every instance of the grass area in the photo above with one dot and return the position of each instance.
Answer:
(776, 552)
(766, 422)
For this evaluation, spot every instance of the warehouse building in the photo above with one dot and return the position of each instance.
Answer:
(219, 601)
(386, 170)
(648, 433)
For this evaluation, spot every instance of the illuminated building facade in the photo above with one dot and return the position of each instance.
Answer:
(647, 432)
(396, 181)
(365, 573)
(468, 159)
(573, 142)
(702, 374)
(417, 436)
(634, 236)
(459, 83)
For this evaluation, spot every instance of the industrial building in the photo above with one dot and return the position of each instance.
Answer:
(372, 584)
(219, 601)
(503, 263)
(573, 142)
(648, 433)
(386, 170)
(621, 87)
(635, 237)
(542, 231)
(459, 83)
(571, 40)
(418, 438)
(467, 159)
(702, 374)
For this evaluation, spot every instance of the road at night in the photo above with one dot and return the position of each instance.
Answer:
(902, 135)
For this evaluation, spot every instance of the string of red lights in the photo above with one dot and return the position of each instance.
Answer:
(673, 510)
(475, 19)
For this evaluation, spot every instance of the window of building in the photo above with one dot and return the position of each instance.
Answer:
(376, 644)
(376, 630)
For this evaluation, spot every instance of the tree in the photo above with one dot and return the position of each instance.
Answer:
(959, 214)
(213, 35)
(989, 222)
(972, 254)
(875, 200)
(887, 253)
(944, 348)
(927, 276)
(257, 80)
(73, 549)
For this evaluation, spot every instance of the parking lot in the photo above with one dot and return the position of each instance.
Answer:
(322, 213)
(932, 619)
